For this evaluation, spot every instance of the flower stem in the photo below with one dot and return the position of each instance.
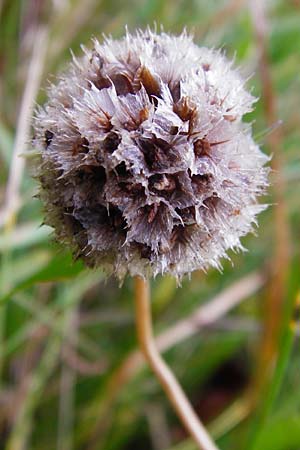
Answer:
(166, 378)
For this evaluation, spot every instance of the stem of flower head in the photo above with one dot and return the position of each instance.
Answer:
(166, 378)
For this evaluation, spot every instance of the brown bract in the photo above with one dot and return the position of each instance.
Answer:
(145, 165)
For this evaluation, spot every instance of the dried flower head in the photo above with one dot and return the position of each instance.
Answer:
(145, 165)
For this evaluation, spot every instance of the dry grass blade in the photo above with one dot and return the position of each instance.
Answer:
(66, 398)
(34, 75)
(279, 266)
(211, 311)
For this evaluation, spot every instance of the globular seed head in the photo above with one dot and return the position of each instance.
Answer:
(145, 165)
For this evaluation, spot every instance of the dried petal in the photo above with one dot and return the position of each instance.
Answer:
(145, 165)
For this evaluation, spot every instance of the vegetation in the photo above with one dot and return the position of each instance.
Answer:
(70, 373)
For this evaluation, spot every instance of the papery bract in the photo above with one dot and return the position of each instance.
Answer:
(145, 164)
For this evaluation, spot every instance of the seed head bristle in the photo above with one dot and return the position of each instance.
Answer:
(145, 165)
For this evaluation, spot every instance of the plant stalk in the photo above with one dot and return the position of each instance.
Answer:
(166, 378)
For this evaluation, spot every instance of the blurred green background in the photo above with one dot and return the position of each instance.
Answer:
(70, 376)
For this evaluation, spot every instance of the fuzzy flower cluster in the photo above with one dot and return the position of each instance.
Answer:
(144, 163)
